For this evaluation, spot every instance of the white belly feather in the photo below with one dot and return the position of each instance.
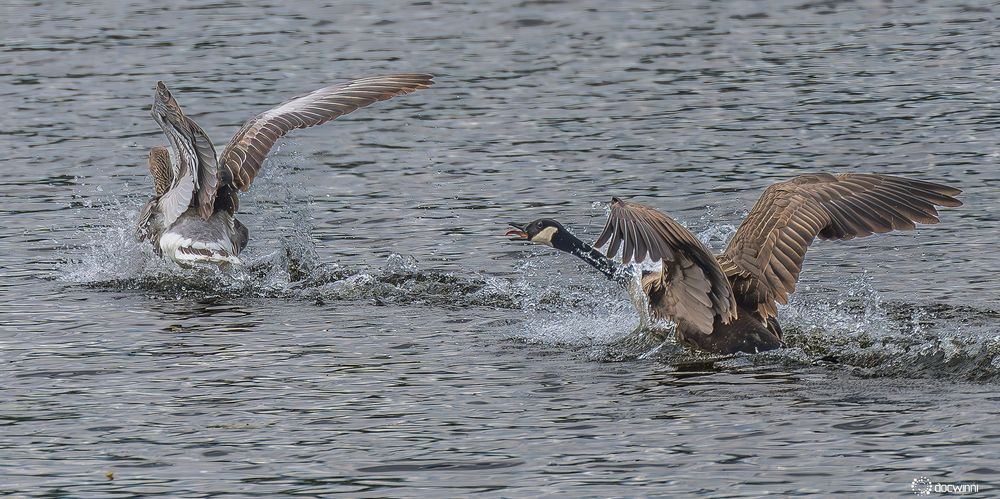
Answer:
(193, 240)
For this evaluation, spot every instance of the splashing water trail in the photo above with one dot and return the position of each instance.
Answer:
(586, 312)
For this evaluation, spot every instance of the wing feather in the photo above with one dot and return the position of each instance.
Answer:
(692, 289)
(245, 154)
(195, 157)
(765, 256)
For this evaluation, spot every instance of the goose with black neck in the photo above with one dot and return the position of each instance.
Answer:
(728, 303)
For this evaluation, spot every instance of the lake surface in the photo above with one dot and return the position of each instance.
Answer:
(385, 339)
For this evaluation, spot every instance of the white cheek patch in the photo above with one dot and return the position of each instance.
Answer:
(545, 236)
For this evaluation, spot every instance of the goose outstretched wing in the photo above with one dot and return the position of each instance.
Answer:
(765, 256)
(244, 156)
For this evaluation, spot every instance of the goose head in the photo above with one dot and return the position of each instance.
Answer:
(545, 231)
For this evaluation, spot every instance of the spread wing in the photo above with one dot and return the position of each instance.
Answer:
(765, 256)
(196, 169)
(245, 154)
(695, 290)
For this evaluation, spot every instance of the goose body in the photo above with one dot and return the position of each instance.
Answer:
(192, 216)
(727, 303)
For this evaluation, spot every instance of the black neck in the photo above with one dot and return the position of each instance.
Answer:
(610, 268)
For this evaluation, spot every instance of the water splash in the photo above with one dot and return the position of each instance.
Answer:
(854, 329)
(112, 258)
(717, 236)
(873, 338)
(112, 250)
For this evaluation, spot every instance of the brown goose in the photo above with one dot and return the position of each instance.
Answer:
(191, 217)
(728, 303)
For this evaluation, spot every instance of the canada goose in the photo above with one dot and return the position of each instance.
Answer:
(191, 218)
(728, 303)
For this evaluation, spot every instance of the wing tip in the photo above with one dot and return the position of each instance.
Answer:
(951, 201)
(948, 190)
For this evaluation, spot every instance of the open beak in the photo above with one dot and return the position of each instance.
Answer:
(518, 231)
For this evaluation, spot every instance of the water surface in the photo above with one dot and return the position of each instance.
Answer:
(386, 340)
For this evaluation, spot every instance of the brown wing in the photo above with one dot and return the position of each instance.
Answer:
(695, 288)
(160, 170)
(196, 170)
(245, 154)
(765, 256)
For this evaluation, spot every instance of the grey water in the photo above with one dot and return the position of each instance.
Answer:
(385, 339)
